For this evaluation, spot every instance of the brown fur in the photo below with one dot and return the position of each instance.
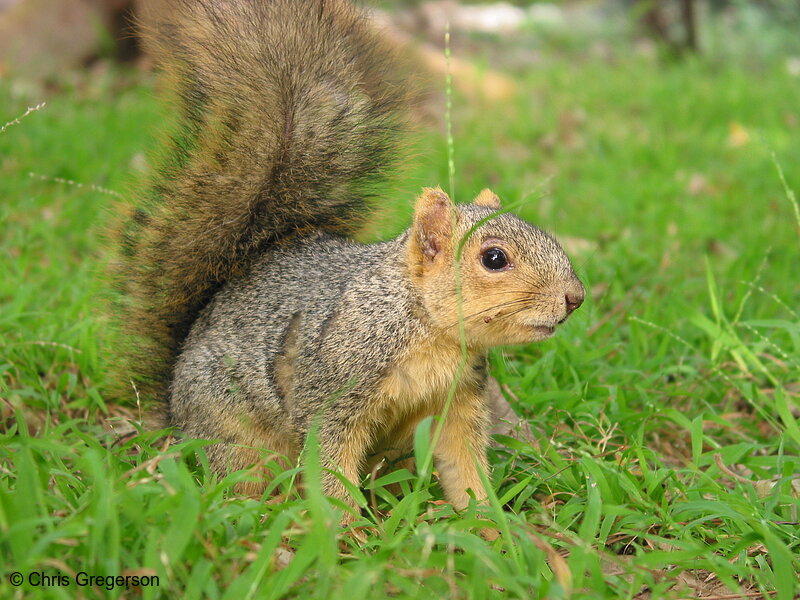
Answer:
(261, 316)
(266, 92)
(364, 341)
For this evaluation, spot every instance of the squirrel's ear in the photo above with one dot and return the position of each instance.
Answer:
(488, 198)
(433, 222)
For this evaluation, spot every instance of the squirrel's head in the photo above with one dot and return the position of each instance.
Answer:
(517, 284)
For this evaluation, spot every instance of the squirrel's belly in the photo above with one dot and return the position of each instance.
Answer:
(417, 386)
(425, 376)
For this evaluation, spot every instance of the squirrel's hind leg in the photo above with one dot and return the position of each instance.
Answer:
(271, 456)
(264, 443)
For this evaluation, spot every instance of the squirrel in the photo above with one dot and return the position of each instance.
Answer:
(253, 315)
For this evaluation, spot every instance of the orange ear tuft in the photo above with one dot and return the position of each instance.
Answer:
(488, 198)
(433, 222)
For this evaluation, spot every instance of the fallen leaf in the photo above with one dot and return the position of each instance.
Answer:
(737, 135)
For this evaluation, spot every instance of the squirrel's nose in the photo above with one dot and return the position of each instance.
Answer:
(574, 300)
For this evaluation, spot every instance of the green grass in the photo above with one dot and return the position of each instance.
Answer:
(665, 412)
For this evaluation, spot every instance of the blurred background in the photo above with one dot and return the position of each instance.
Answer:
(41, 38)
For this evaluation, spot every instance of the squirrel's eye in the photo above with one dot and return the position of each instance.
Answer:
(494, 259)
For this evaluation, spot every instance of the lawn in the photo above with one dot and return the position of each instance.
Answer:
(667, 440)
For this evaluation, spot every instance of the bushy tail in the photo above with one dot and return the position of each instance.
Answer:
(288, 114)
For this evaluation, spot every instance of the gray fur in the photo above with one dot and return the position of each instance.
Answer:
(335, 286)
(256, 311)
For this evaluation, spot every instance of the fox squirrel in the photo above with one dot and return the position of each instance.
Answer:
(252, 313)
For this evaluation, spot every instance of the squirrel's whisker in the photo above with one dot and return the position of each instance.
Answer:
(525, 280)
(493, 307)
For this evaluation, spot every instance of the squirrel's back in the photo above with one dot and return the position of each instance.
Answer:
(310, 319)
(288, 115)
